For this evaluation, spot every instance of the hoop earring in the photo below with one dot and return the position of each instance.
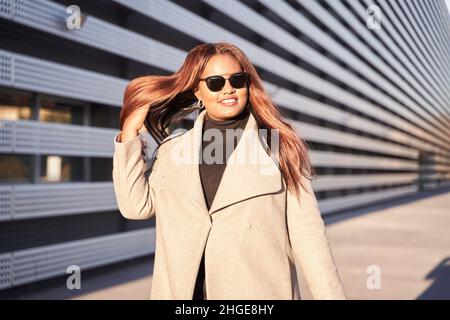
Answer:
(200, 104)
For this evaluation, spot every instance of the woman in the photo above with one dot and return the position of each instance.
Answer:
(236, 230)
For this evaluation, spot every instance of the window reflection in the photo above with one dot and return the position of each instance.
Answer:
(104, 116)
(61, 169)
(103, 169)
(53, 110)
(14, 106)
(54, 168)
(15, 168)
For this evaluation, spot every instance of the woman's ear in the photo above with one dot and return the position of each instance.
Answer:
(197, 92)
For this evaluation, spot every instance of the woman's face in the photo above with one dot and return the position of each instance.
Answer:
(217, 109)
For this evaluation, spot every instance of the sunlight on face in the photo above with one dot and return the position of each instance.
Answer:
(223, 65)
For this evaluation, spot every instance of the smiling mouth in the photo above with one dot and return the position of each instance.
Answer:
(229, 102)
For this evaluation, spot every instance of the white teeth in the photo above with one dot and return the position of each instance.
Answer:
(229, 100)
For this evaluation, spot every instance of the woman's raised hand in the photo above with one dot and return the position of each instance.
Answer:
(133, 124)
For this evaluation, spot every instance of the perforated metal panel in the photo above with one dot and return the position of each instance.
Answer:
(337, 137)
(352, 201)
(7, 129)
(6, 9)
(324, 111)
(187, 22)
(51, 17)
(25, 266)
(51, 199)
(34, 74)
(179, 18)
(99, 34)
(348, 181)
(6, 202)
(6, 68)
(342, 160)
(44, 6)
(5, 271)
(254, 21)
(55, 199)
(412, 87)
(30, 137)
(47, 138)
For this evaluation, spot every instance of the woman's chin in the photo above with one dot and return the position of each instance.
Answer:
(230, 111)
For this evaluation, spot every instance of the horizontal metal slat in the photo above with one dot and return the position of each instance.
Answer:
(34, 264)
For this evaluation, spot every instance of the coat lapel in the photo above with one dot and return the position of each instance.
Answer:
(250, 171)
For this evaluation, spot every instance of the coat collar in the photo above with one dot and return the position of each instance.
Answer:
(250, 171)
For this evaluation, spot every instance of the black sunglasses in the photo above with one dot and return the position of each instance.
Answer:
(216, 83)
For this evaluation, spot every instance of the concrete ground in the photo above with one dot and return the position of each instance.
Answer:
(407, 243)
(404, 244)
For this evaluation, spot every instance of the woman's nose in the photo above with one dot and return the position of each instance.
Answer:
(228, 87)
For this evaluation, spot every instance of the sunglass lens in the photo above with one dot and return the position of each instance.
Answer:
(215, 83)
(238, 80)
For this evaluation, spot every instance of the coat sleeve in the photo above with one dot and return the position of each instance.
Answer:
(310, 247)
(134, 193)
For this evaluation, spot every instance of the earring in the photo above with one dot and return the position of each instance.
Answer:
(200, 104)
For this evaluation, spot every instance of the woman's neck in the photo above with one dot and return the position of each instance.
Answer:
(227, 122)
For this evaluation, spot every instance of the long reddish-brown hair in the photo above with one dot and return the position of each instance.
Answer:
(171, 98)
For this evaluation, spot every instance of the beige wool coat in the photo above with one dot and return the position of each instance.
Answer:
(256, 235)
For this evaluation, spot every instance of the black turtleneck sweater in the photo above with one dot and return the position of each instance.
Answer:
(211, 173)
